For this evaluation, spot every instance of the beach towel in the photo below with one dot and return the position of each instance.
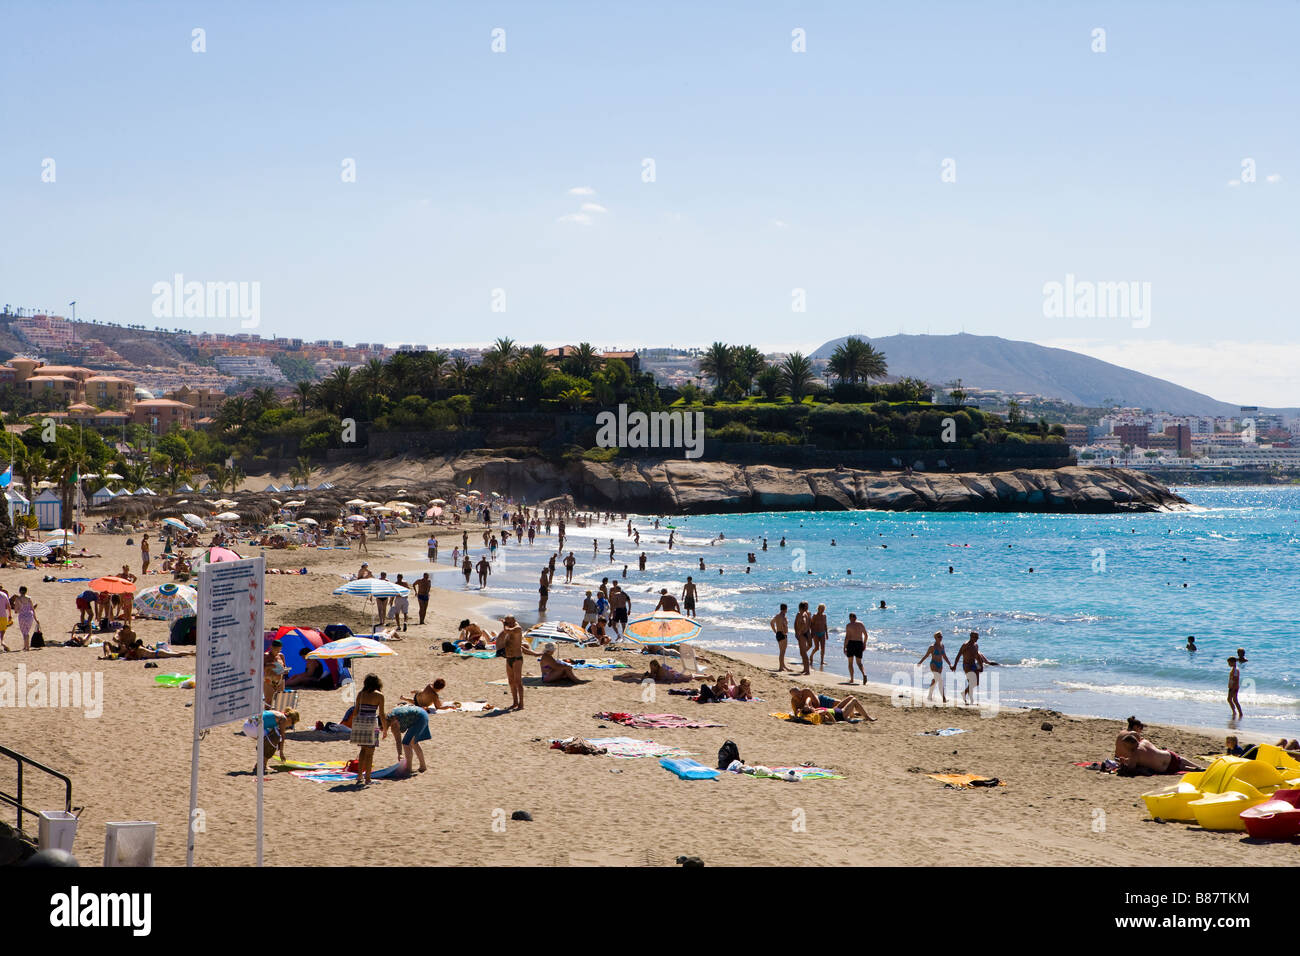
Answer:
(1105, 766)
(965, 781)
(596, 663)
(393, 772)
(654, 720)
(788, 773)
(814, 718)
(629, 748)
(946, 732)
(308, 765)
(482, 655)
(172, 680)
(466, 707)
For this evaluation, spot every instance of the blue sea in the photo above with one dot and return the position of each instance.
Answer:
(1099, 627)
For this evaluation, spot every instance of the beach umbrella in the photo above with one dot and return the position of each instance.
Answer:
(438, 501)
(217, 555)
(294, 504)
(662, 627)
(555, 631)
(113, 476)
(227, 516)
(355, 502)
(113, 585)
(349, 647)
(174, 523)
(357, 518)
(193, 519)
(309, 521)
(60, 537)
(373, 587)
(167, 602)
(34, 549)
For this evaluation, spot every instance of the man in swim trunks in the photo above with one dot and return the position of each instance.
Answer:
(1143, 758)
(972, 663)
(804, 702)
(688, 597)
(855, 642)
(667, 602)
(422, 586)
(619, 604)
(819, 631)
(781, 629)
(510, 642)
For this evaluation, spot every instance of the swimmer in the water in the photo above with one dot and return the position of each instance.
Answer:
(1191, 642)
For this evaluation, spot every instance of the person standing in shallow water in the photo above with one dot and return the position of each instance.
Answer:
(938, 657)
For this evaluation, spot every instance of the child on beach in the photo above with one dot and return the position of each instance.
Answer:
(1234, 683)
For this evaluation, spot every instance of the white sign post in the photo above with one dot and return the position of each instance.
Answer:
(228, 674)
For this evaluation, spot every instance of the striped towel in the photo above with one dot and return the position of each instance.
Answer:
(654, 720)
(631, 748)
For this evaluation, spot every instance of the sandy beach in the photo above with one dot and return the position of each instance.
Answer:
(132, 762)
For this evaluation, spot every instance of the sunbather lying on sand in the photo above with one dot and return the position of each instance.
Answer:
(429, 699)
(661, 673)
(1143, 758)
(138, 652)
(472, 637)
(804, 701)
(728, 686)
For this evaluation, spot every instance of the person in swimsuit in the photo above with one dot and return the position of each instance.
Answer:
(367, 718)
(688, 597)
(410, 727)
(781, 629)
(972, 663)
(472, 637)
(804, 702)
(661, 673)
(274, 725)
(803, 634)
(554, 670)
(819, 631)
(620, 604)
(1234, 680)
(274, 669)
(422, 586)
(510, 642)
(543, 591)
(1142, 758)
(137, 651)
(937, 657)
(667, 602)
(855, 642)
(316, 676)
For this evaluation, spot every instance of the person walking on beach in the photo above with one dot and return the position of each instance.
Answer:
(782, 631)
(381, 602)
(641, 560)
(688, 597)
(855, 642)
(543, 590)
(402, 606)
(972, 663)
(484, 568)
(466, 568)
(25, 611)
(367, 718)
(144, 554)
(422, 587)
(619, 604)
(433, 549)
(803, 634)
(819, 631)
(1234, 684)
(5, 619)
(569, 562)
(937, 657)
(361, 543)
(510, 643)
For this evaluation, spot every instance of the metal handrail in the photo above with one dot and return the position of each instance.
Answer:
(17, 800)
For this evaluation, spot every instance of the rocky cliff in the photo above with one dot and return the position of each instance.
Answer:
(701, 487)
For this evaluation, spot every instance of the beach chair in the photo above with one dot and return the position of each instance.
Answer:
(285, 700)
(689, 664)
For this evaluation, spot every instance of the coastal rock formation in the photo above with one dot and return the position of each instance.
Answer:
(701, 487)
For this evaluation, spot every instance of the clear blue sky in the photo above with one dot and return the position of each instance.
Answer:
(775, 170)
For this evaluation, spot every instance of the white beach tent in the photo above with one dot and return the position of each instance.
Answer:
(17, 504)
(103, 496)
(48, 507)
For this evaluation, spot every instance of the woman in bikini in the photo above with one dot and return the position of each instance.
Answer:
(554, 670)
(937, 657)
(804, 702)
(367, 718)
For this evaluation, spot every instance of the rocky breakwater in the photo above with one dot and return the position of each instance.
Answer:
(704, 487)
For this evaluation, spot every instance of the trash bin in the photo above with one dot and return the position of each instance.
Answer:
(56, 830)
(130, 843)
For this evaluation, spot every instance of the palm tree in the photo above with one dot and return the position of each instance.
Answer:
(303, 472)
(459, 374)
(584, 361)
(717, 363)
(235, 414)
(264, 398)
(575, 398)
(747, 362)
(304, 393)
(855, 360)
(797, 376)
(769, 382)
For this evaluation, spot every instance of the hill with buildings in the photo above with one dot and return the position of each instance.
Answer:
(988, 361)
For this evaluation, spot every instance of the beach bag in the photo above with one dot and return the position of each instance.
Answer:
(727, 753)
(448, 647)
(38, 639)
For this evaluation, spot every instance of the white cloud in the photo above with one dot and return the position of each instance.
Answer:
(1246, 373)
(582, 191)
(1273, 178)
(593, 207)
(1234, 182)
(780, 223)
(580, 218)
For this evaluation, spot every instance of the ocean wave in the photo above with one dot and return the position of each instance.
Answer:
(1035, 662)
(1204, 696)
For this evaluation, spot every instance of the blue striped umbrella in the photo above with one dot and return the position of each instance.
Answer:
(167, 601)
(34, 549)
(373, 587)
